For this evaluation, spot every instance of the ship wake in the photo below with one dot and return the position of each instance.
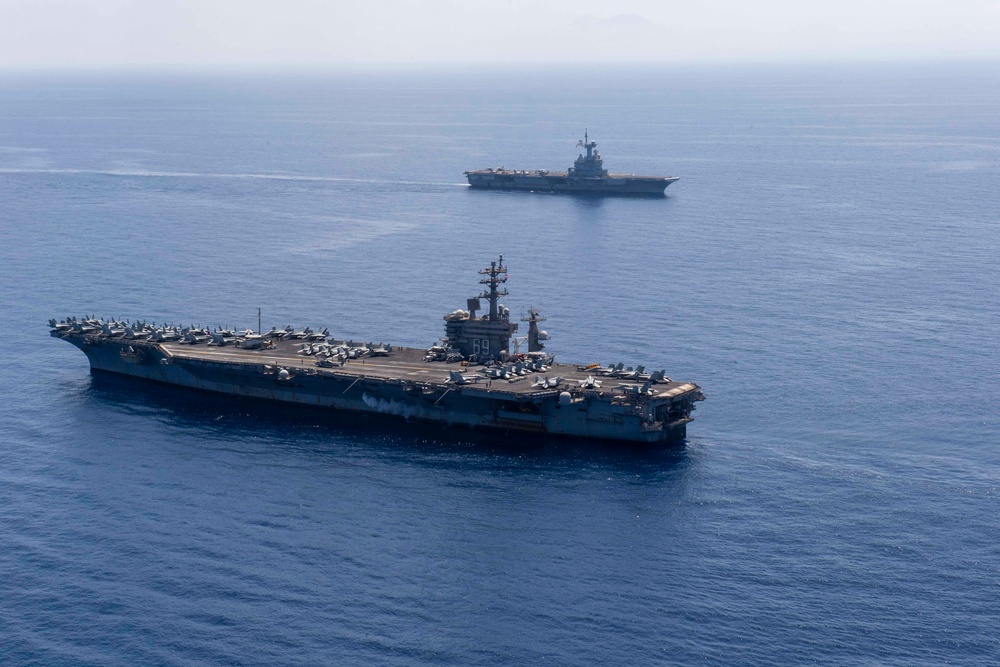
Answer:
(390, 407)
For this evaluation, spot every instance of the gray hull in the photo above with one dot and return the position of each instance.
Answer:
(473, 405)
(610, 185)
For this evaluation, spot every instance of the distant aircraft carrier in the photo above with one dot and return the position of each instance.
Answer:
(587, 175)
(488, 383)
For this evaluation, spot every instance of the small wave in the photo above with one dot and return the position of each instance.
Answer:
(22, 149)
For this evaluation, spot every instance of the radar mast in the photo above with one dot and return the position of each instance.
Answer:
(588, 144)
(497, 275)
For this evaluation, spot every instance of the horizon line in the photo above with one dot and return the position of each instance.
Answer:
(497, 66)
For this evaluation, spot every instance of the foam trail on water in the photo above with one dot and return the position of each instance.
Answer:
(395, 408)
(185, 174)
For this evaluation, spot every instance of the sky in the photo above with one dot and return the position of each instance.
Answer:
(248, 33)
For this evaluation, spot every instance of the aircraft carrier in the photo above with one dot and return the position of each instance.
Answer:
(586, 176)
(476, 376)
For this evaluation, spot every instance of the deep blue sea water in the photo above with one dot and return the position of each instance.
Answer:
(826, 269)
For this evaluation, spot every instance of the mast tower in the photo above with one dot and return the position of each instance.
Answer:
(486, 337)
(497, 276)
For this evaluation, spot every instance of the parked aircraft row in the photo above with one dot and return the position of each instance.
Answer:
(638, 373)
(190, 334)
(345, 351)
(291, 334)
(505, 372)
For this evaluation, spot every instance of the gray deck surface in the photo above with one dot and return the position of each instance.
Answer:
(563, 174)
(405, 363)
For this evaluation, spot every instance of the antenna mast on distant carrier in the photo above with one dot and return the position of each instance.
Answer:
(497, 273)
(588, 144)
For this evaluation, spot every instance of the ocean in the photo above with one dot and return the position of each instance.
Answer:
(826, 270)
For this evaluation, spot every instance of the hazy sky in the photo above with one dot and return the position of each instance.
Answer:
(68, 33)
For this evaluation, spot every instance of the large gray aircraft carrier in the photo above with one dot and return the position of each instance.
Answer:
(586, 176)
(476, 376)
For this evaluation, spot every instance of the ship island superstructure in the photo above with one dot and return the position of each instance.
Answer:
(587, 175)
(475, 376)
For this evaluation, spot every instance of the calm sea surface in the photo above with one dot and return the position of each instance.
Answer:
(826, 269)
